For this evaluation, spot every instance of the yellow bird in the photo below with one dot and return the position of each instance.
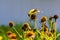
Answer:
(33, 11)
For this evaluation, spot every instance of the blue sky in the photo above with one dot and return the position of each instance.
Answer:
(17, 10)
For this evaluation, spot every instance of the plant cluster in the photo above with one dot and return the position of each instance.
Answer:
(28, 33)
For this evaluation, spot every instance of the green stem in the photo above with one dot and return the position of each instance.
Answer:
(50, 24)
(55, 31)
(17, 32)
(43, 26)
(58, 35)
(35, 25)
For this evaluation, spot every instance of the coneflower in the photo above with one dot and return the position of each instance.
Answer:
(55, 17)
(26, 26)
(32, 17)
(50, 34)
(9, 33)
(13, 36)
(52, 31)
(44, 19)
(11, 24)
(29, 34)
(44, 29)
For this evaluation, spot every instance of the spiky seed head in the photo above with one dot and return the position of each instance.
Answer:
(11, 23)
(43, 19)
(26, 26)
(55, 16)
(32, 17)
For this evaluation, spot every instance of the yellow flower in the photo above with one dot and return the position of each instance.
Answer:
(9, 33)
(50, 34)
(33, 11)
(43, 19)
(52, 31)
(26, 26)
(13, 36)
(46, 30)
(11, 23)
(29, 34)
(44, 39)
(1, 37)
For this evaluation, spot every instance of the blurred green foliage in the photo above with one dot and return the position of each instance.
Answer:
(4, 29)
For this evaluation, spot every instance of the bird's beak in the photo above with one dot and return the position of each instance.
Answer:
(38, 10)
